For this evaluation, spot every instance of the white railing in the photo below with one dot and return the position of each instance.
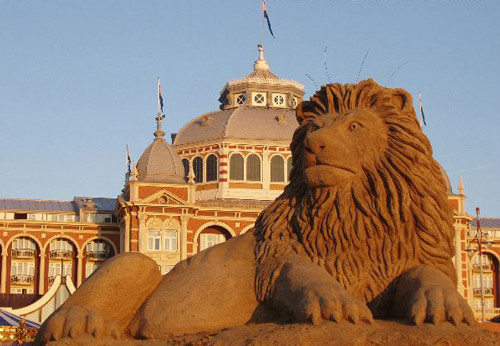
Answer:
(488, 312)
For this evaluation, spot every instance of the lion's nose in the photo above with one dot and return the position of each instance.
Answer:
(314, 144)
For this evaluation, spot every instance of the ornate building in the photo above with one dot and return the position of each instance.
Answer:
(209, 185)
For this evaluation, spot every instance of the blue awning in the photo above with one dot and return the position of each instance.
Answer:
(9, 319)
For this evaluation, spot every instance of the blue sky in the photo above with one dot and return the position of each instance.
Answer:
(77, 78)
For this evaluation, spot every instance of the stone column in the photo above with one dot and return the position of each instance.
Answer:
(79, 270)
(458, 257)
(223, 171)
(184, 230)
(143, 237)
(127, 233)
(41, 273)
(4, 271)
(266, 170)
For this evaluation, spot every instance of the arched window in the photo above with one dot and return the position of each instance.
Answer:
(198, 169)
(97, 251)
(185, 163)
(212, 168)
(288, 167)
(277, 169)
(236, 167)
(253, 167)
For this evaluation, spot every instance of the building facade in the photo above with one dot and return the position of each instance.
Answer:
(210, 184)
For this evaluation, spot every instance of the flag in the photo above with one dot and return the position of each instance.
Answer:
(422, 115)
(128, 161)
(160, 98)
(264, 11)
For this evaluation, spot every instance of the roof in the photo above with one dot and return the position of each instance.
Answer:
(244, 122)
(487, 222)
(94, 203)
(160, 163)
(36, 205)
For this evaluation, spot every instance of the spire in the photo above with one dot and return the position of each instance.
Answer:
(261, 63)
(159, 133)
(460, 185)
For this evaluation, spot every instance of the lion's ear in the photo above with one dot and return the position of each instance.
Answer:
(305, 112)
(401, 99)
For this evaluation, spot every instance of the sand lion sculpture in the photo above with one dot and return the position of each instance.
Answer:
(363, 231)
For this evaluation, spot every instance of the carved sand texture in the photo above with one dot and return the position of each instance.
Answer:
(391, 216)
(363, 230)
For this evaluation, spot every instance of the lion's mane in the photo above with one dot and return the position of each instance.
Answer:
(368, 232)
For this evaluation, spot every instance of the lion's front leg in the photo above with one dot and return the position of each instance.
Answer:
(425, 294)
(309, 294)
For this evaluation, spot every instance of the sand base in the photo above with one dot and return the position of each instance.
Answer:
(385, 333)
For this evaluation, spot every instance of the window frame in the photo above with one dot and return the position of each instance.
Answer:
(216, 178)
(246, 167)
(243, 165)
(283, 168)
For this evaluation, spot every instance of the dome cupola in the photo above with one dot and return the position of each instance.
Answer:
(160, 163)
(261, 88)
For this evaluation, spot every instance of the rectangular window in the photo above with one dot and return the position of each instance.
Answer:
(171, 240)
(55, 269)
(90, 268)
(154, 240)
(166, 269)
(23, 268)
(208, 239)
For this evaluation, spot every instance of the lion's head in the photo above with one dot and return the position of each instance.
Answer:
(366, 199)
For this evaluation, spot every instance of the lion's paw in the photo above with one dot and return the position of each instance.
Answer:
(331, 303)
(438, 304)
(74, 322)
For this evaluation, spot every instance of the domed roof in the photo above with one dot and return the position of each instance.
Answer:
(244, 122)
(260, 106)
(160, 163)
(446, 180)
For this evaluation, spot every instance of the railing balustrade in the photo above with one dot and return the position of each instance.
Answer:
(23, 253)
(22, 279)
(98, 255)
(61, 254)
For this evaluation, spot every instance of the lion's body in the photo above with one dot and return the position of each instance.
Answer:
(366, 233)
(365, 221)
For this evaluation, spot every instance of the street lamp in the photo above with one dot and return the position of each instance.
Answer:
(479, 237)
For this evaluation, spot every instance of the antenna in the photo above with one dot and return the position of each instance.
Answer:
(395, 70)
(362, 64)
(316, 85)
(326, 67)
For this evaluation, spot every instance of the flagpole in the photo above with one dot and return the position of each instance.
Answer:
(261, 24)
(420, 109)
(158, 94)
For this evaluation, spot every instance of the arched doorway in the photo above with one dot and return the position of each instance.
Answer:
(212, 235)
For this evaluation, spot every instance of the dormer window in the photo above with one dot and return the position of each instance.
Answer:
(259, 99)
(278, 100)
(293, 102)
(241, 98)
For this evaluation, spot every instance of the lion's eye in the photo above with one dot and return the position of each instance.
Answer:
(314, 127)
(354, 126)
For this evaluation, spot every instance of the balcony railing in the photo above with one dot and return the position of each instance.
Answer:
(98, 255)
(61, 254)
(22, 279)
(488, 312)
(477, 266)
(23, 253)
(488, 291)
